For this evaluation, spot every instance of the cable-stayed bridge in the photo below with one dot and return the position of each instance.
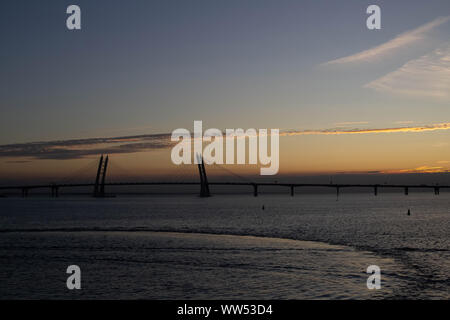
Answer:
(100, 183)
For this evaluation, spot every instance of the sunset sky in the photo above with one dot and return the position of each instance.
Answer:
(346, 99)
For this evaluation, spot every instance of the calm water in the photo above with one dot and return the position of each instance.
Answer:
(184, 247)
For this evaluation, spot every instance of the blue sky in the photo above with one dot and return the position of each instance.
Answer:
(145, 67)
(153, 66)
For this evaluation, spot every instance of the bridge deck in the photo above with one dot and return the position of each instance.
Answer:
(331, 185)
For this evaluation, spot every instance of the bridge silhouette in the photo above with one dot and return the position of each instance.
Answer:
(100, 184)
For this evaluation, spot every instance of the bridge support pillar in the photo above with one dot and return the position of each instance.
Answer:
(55, 191)
(292, 191)
(406, 191)
(375, 190)
(99, 186)
(436, 191)
(255, 190)
(102, 186)
(97, 179)
(204, 186)
(24, 192)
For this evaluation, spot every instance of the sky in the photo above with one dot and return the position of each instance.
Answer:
(346, 99)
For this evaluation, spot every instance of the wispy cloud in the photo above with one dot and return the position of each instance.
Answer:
(399, 41)
(427, 76)
(404, 122)
(350, 123)
(80, 148)
(432, 127)
(421, 169)
(18, 161)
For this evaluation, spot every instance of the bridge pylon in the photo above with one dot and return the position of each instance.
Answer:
(204, 186)
(99, 187)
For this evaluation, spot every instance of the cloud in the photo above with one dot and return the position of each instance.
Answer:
(80, 148)
(350, 123)
(404, 122)
(421, 169)
(399, 41)
(427, 76)
(18, 161)
(432, 127)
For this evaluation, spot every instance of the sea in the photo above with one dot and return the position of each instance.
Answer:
(310, 246)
